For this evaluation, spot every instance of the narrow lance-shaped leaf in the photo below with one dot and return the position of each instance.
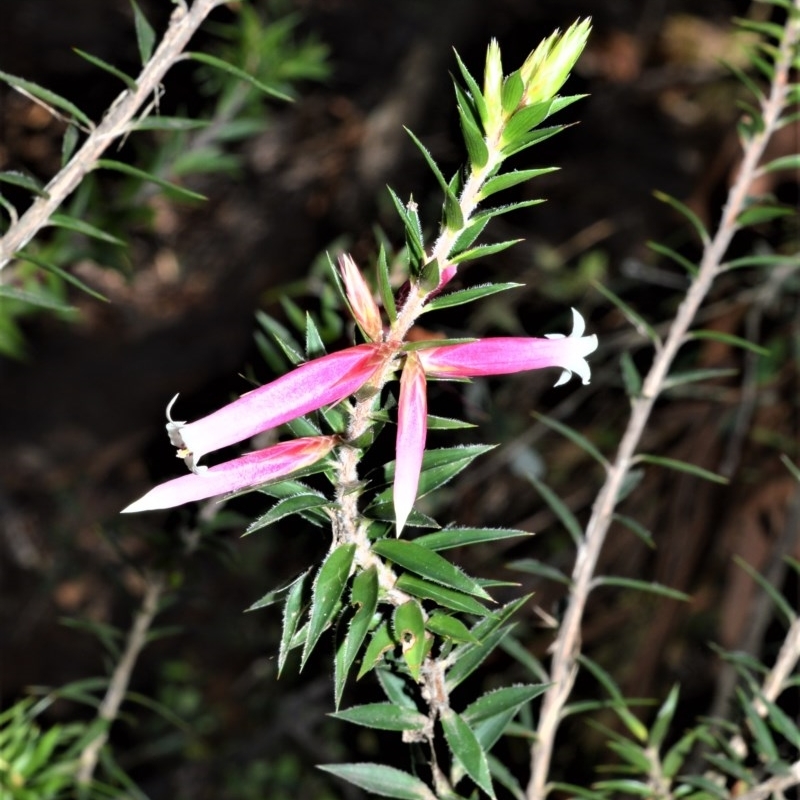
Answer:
(328, 588)
(364, 596)
(428, 564)
(383, 716)
(110, 68)
(46, 96)
(292, 610)
(502, 700)
(381, 780)
(145, 35)
(447, 598)
(380, 644)
(467, 750)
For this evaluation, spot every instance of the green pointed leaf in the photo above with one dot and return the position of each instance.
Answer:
(408, 624)
(463, 296)
(474, 90)
(764, 743)
(727, 338)
(508, 179)
(446, 424)
(218, 63)
(454, 217)
(755, 215)
(524, 121)
(468, 657)
(661, 724)
(79, 226)
(577, 791)
(794, 469)
(692, 376)
(468, 236)
(573, 435)
(467, 750)
(503, 776)
(782, 723)
(671, 254)
(104, 65)
(682, 466)
(638, 322)
(523, 656)
(760, 261)
(381, 780)
(145, 35)
(364, 596)
(483, 250)
(630, 376)
(675, 757)
(428, 564)
(641, 586)
(285, 508)
(328, 588)
(380, 644)
(292, 611)
(383, 716)
(287, 343)
(46, 96)
(460, 537)
(63, 274)
(448, 627)
(637, 528)
(447, 598)
(687, 213)
(513, 89)
(501, 701)
(560, 102)
(530, 139)
(275, 595)
(438, 467)
(626, 786)
(787, 611)
(634, 725)
(385, 286)
(163, 123)
(789, 163)
(558, 507)
(34, 299)
(535, 567)
(395, 687)
(489, 213)
(28, 182)
(127, 169)
(631, 755)
(477, 150)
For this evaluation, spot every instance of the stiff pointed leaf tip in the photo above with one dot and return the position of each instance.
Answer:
(324, 381)
(504, 355)
(359, 296)
(246, 472)
(412, 413)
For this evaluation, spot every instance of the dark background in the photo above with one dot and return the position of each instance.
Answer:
(81, 416)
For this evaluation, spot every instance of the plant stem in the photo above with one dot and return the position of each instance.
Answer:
(116, 123)
(121, 676)
(564, 665)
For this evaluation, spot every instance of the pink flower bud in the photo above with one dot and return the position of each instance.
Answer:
(362, 303)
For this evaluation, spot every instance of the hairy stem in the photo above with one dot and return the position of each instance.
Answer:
(116, 123)
(564, 665)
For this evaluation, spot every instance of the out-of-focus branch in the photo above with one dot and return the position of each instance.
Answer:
(121, 676)
(564, 665)
(115, 123)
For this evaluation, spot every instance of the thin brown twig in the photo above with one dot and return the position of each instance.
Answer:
(564, 664)
(775, 785)
(115, 123)
(120, 678)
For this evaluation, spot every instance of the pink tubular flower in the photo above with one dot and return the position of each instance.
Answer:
(250, 470)
(359, 295)
(412, 414)
(502, 355)
(321, 382)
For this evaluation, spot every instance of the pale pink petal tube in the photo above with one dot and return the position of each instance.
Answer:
(412, 423)
(359, 295)
(250, 470)
(502, 355)
(321, 382)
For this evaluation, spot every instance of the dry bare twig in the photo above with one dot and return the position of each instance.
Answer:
(567, 646)
(115, 123)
